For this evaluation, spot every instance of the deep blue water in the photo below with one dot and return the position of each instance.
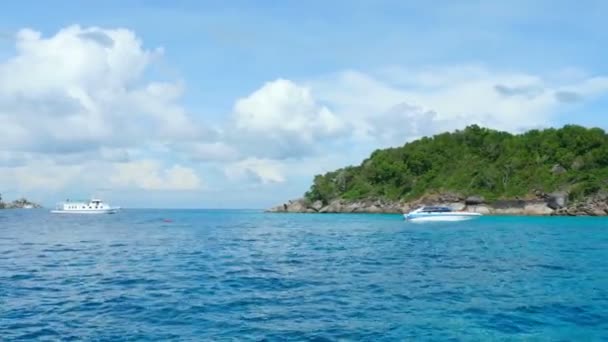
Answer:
(246, 275)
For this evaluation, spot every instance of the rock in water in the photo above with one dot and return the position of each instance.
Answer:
(538, 208)
(297, 206)
(334, 206)
(482, 209)
(22, 204)
(278, 209)
(317, 205)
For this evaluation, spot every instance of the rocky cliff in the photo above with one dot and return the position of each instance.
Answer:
(539, 204)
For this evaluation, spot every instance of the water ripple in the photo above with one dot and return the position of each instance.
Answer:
(245, 275)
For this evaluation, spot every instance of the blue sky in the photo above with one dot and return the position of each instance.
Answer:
(239, 104)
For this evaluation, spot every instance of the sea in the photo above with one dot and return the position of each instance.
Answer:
(246, 275)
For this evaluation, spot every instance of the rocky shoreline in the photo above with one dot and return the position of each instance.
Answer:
(540, 204)
(19, 204)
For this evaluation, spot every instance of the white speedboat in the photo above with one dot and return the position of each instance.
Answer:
(94, 206)
(430, 214)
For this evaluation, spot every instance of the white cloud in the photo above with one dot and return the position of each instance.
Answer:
(281, 120)
(150, 175)
(40, 175)
(79, 108)
(215, 151)
(261, 170)
(400, 122)
(283, 106)
(84, 88)
(452, 97)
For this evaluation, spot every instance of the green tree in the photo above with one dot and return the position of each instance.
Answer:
(476, 160)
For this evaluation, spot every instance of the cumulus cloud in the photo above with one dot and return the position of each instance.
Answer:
(39, 174)
(82, 97)
(150, 175)
(281, 120)
(80, 105)
(212, 151)
(400, 122)
(457, 96)
(82, 89)
(528, 91)
(568, 96)
(261, 170)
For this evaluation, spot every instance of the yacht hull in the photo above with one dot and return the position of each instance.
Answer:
(86, 212)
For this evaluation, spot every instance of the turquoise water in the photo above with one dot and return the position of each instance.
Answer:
(244, 275)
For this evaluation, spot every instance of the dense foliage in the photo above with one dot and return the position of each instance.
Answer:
(477, 161)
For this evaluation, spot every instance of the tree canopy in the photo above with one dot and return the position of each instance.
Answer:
(477, 161)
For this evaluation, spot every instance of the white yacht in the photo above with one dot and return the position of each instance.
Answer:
(94, 206)
(426, 214)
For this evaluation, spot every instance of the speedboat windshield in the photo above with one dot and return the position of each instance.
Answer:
(436, 209)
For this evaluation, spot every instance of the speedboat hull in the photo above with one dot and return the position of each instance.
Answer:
(440, 217)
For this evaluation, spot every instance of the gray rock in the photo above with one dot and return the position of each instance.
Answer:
(21, 203)
(557, 200)
(317, 205)
(392, 208)
(334, 206)
(537, 208)
(458, 206)
(374, 209)
(450, 197)
(577, 164)
(596, 205)
(278, 209)
(482, 209)
(508, 211)
(474, 200)
(404, 208)
(509, 204)
(555, 203)
(558, 169)
(299, 205)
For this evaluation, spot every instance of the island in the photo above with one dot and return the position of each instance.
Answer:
(540, 172)
(21, 203)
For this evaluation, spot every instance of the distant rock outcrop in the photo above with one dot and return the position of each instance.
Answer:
(18, 204)
(555, 203)
(474, 200)
(340, 206)
(596, 205)
(557, 200)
